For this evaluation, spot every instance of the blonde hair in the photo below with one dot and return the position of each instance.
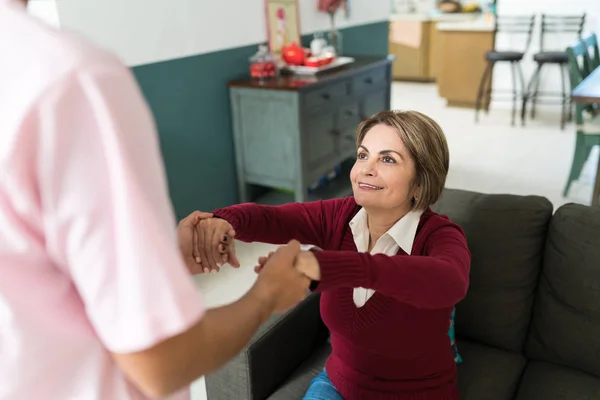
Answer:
(426, 144)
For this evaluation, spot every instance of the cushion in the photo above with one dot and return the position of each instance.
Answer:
(297, 384)
(488, 373)
(566, 321)
(506, 236)
(545, 381)
(276, 350)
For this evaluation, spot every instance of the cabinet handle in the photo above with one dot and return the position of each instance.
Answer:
(369, 81)
(325, 96)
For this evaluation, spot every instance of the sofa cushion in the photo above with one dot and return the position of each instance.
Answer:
(297, 384)
(487, 373)
(506, 236)
(566, 320)
(545, 381)
(279, 346)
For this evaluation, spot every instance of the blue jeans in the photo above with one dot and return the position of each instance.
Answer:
(321, 388)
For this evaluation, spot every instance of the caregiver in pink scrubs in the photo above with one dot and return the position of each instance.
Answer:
(96, 302)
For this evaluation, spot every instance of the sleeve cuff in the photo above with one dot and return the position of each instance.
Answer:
(341, 269)
(230, 216)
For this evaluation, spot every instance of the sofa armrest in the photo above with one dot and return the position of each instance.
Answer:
(275, 351)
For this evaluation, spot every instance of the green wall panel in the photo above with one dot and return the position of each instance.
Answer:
(189, 98)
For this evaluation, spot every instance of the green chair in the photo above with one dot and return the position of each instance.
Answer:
(586, 119)
(593, 60)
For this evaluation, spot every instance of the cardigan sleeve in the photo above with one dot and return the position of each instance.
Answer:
(439, 279)
(309, 222)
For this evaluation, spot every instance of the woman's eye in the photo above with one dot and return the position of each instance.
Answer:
(388, 159)
(361, 156)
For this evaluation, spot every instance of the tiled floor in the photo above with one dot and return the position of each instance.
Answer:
(490, 157)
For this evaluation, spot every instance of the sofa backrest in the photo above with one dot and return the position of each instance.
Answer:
(566, 320)
(506, 236)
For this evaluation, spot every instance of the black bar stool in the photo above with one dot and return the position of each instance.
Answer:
(519, 25)
(552, 24)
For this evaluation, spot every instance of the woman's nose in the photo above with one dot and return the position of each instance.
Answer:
(370, 168)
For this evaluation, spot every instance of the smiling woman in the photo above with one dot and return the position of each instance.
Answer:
(405, 151)
(390, 270)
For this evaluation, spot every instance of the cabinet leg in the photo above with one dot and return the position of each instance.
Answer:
(300, 194)
(243, 192)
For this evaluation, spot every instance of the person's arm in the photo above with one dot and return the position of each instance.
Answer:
(179, 360)
(309, 223)
(219, 335)
(109, 225)
(437, 280)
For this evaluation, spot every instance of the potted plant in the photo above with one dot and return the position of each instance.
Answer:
(331, 7)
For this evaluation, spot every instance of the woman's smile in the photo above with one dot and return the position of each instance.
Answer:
(368, 187)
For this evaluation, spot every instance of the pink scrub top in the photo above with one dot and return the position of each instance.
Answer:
(89, 261)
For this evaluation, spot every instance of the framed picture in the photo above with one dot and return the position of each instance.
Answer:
(283, 26)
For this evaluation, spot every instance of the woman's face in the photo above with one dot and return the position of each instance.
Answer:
(384, 171)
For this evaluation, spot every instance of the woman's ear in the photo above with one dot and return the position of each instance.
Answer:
(417, 192)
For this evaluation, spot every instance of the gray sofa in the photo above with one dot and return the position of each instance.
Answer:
(528, 329)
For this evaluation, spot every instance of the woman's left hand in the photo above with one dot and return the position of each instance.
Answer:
(214, 244)
(186, 232)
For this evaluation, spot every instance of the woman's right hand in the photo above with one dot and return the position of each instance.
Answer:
(214, 244)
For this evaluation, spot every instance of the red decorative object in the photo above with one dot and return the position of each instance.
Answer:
(293, 54)
(263, 70)
(262, 65)
(319, 61)
(331, 6)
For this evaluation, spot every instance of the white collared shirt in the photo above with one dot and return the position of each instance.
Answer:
(399, 236)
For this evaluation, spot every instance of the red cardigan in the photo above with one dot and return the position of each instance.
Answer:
(395, 347)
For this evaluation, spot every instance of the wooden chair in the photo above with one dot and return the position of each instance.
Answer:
(593, 60)
(586, 118)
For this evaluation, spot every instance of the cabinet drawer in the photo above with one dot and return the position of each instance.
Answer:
(375, 102)
(327, 96)
(349, 116)
(320, 143)
(369, 80)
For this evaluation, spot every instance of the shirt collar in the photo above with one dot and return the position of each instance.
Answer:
(403, 232)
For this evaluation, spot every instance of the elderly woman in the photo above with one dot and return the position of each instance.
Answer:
(390, 270)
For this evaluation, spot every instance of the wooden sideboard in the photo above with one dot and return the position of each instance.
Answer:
(290, 132)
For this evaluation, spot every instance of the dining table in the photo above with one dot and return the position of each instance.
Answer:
(588, 92)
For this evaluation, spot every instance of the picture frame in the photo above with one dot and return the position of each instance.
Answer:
(283, 24)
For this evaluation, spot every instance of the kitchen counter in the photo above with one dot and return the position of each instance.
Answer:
(422, 43)
(481, 24)
(441, 17)
(462, 48)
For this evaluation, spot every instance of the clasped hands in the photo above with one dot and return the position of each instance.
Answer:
(207, 243)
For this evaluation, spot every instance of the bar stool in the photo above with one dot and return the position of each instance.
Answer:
(553, 24)
(519, 25)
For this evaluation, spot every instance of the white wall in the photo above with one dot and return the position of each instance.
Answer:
(45, 10)
(147, 31)
(550, 80)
